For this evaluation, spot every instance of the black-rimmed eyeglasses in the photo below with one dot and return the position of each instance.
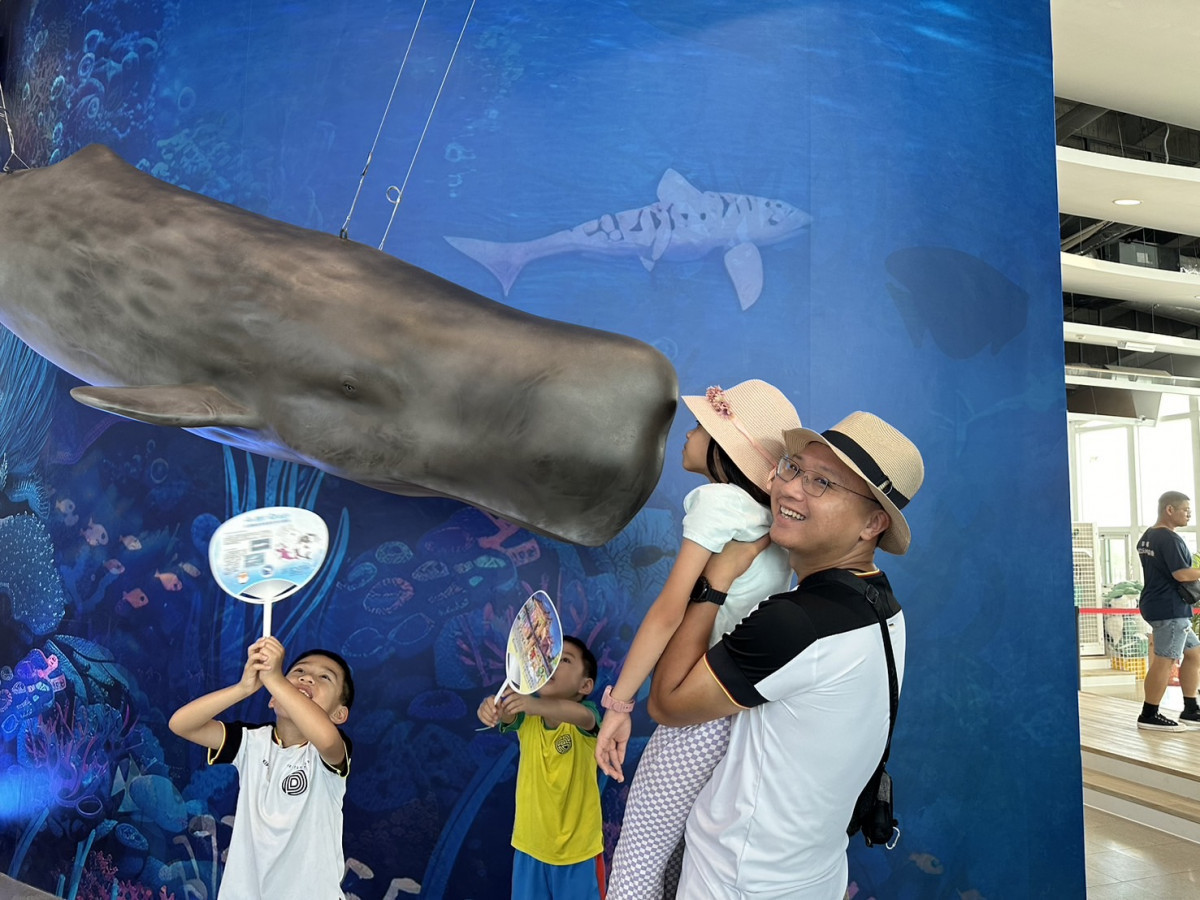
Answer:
(814, 485)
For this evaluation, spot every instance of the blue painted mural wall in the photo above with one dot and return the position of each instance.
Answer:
(919, 138)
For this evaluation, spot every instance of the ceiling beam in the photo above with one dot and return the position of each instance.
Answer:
(1078, 116)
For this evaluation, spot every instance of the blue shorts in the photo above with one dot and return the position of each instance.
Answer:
(536, 880)
(1173, 637)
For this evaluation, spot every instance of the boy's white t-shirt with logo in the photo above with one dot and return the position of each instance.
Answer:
(287, 832)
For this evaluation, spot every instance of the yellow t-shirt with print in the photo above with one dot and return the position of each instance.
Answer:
(558, 817)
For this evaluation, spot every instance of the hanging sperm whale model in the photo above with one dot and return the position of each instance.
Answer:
(184, 311)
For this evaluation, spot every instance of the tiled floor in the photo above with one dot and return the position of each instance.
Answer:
(1126, 860)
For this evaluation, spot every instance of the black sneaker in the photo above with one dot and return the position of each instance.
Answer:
(1190, 716)
(1159, 722)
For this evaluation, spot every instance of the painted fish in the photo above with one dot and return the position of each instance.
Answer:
(66, 508)
(169, 580)
(131, 542)
(927, 863)
(95, 534)
(136, 598)
(115, 566)
(685, 224)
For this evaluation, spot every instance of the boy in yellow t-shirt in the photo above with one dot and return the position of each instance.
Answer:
(557, 834)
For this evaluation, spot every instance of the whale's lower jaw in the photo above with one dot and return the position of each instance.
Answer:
(588, 511)
(590, 521)
(253, 442)
(574, 530)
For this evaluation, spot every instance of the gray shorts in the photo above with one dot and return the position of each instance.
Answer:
(1173, 637)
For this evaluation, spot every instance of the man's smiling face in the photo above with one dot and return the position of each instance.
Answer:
(818, 527)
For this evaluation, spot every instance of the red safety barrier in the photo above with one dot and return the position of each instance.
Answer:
(1107, 611)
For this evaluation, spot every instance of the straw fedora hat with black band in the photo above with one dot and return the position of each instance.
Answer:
(887, 461)
(747, 421)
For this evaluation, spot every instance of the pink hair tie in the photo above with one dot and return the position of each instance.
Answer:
(720, 404)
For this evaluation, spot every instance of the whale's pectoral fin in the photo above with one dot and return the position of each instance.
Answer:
(178, 405)
(744, 265)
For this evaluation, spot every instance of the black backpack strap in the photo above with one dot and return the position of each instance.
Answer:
(871, 594)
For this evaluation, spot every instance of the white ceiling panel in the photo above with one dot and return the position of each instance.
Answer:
(1088, 183)
(1137, 56)
(1135, 284)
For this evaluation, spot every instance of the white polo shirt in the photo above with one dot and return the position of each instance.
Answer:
(810, 670)
(287, 832)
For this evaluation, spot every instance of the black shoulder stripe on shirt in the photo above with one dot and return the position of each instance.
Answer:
(231, 744)
(783, 627)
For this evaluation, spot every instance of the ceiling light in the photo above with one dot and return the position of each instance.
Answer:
(1127, 202)
(1136, 346)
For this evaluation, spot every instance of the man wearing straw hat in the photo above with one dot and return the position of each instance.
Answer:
(805, 675)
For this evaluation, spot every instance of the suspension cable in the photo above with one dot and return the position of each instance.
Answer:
(12, 141)
(396, 194)
(345, 232)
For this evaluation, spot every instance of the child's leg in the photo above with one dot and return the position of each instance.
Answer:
(672, 871)
(675, 765)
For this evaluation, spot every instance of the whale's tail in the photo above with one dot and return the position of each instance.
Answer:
(504, 260)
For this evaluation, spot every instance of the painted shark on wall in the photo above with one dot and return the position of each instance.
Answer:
(187, 312)
(685, 224)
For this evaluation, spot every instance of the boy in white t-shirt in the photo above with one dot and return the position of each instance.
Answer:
(287, 833)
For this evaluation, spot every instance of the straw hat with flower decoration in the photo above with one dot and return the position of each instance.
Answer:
(747, 421)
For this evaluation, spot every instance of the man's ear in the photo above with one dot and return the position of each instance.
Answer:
(877, 523)
(340, 715)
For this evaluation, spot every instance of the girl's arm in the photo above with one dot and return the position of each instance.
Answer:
(685, 691)
(651, 639)
(661, 620)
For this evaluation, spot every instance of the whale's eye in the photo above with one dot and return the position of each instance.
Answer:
(349, 387)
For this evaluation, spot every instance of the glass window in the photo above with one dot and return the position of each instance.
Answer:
(1114, 555)
(1165, 464)
(1102, 459)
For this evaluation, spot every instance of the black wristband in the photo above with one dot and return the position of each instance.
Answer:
(703, 592)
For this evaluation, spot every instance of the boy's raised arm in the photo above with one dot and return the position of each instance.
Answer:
(550, 709)
(196, 721)
(314, 723)
(491, 714)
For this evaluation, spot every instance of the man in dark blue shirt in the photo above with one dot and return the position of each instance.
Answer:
(1166, 567)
